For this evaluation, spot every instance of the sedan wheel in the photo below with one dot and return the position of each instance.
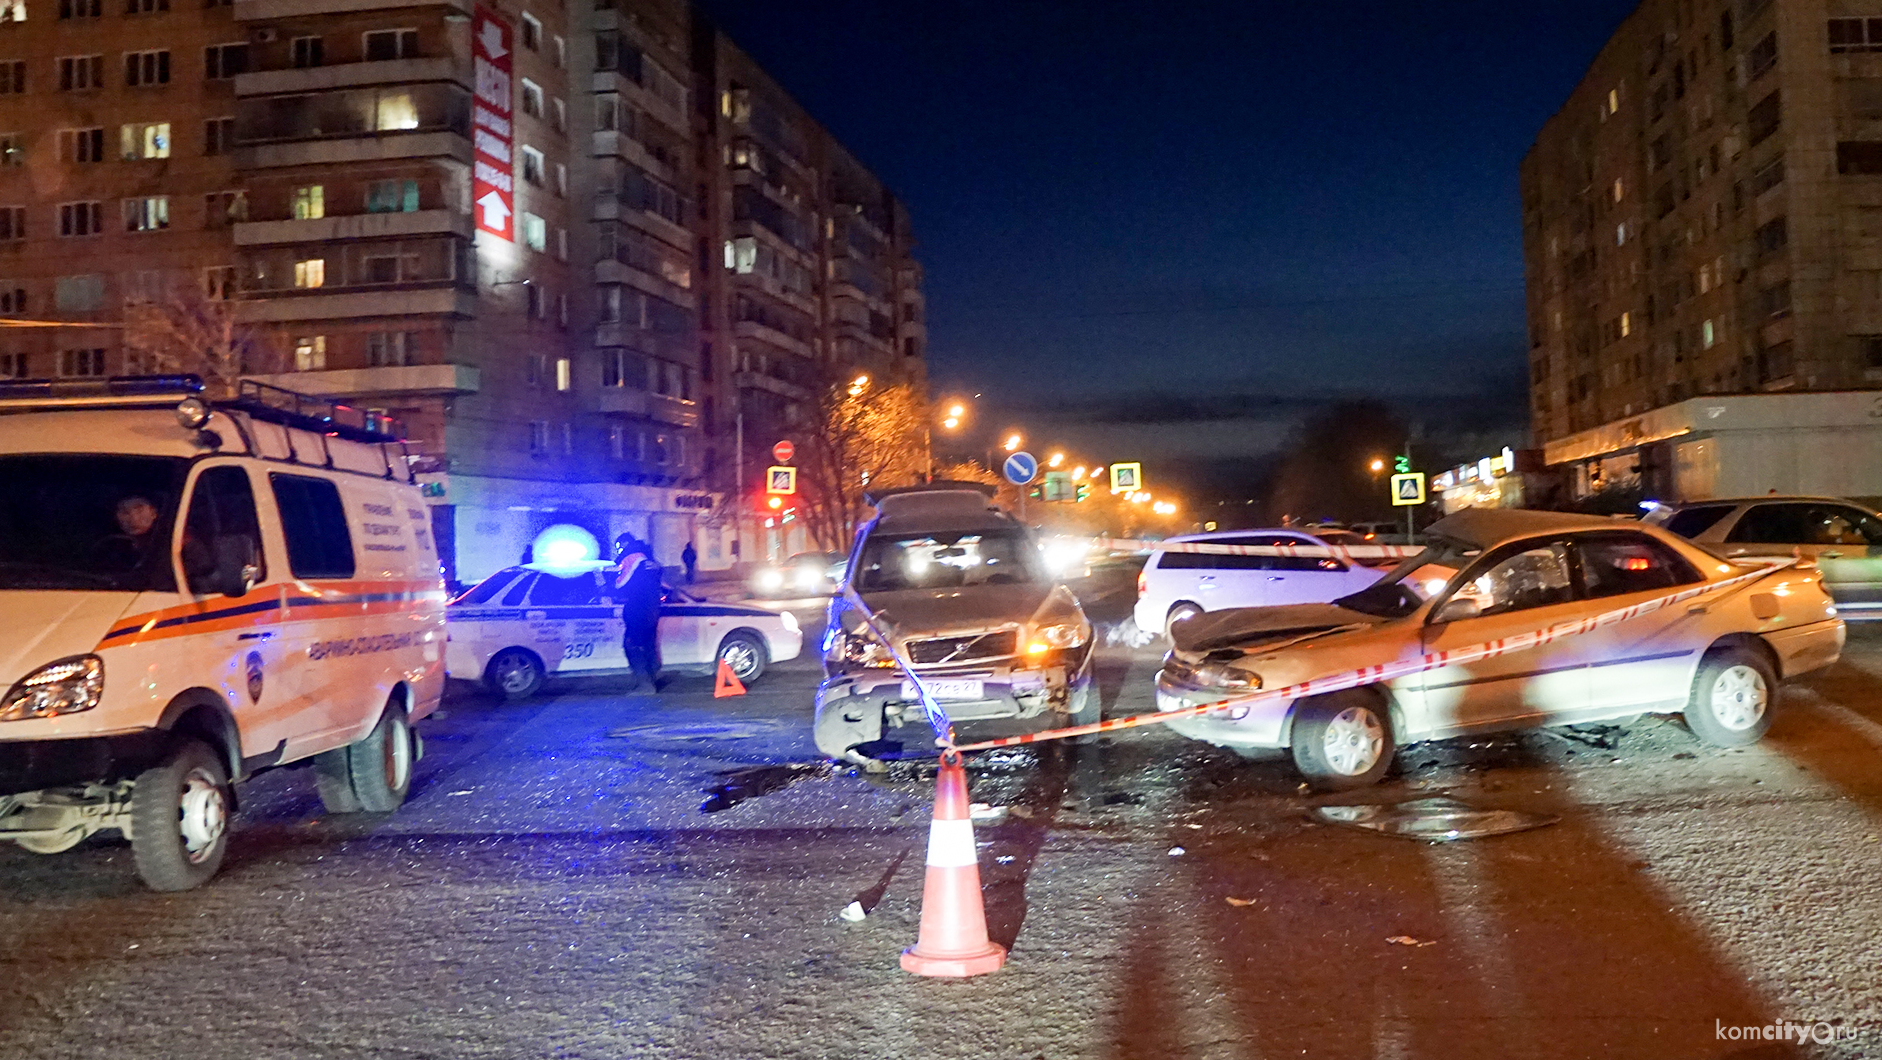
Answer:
(1353, 741)
(1731, 699)
(1342, 740)
(745, 655)
(514, 674)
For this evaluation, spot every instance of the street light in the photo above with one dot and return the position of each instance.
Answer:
(858, 385)
(1055, 460)
(1378, 465)
(1078, 472)
(1012, 442)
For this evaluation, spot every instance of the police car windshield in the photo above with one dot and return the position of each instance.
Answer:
(84, 521)
(941, 561)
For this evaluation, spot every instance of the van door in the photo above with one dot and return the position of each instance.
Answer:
(322, 629)
(227, 572)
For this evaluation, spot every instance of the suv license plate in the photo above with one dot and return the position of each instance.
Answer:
(944, 689)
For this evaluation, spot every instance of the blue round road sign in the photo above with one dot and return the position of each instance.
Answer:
(1020, 468)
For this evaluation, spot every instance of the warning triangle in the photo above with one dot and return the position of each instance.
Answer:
(727, 684)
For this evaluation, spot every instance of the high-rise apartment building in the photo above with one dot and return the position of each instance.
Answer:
(581, 249)
(1702, 221)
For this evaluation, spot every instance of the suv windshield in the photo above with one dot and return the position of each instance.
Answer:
(82, 521)
(1412, 582)
(940, 561)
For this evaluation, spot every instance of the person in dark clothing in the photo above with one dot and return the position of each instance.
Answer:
(637, 587)
(690, 557)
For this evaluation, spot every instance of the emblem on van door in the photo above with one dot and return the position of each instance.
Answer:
(254, 677)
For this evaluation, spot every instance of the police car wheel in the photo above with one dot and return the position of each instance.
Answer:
(382, 762)
(180, 818)
(746, 656)
(514, 674)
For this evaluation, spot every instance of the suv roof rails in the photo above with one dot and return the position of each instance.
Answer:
(259, 401)
(874, 498)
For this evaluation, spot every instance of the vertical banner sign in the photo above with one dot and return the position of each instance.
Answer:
(492, 176)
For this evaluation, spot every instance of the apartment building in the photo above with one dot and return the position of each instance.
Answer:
(1702, 221)
(530, 230)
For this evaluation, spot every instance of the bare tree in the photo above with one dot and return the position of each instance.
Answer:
(185, 330)
(858, 434)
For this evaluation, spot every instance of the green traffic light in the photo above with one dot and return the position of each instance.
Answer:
(1401, 464)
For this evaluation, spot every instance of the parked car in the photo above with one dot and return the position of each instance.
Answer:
(960, 589)
(1845, 539)
(198, 591)
(1176, 585)
(805, 574)
(520, 625)
(1499, 573)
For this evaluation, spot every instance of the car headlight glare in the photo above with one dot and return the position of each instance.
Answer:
(66, 686)
(1062, 635)
(770, 579)
(789, 620)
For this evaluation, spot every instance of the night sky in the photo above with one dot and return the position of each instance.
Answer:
(1199, 200)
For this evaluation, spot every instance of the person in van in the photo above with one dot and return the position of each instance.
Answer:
(637, 588)
(136, 541)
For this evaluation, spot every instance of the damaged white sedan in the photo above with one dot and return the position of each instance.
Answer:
(1490, 574)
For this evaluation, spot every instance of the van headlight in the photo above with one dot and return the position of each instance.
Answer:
(63, 687)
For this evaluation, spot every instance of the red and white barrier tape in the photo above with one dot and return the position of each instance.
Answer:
(1391, 671)
(1349, 553)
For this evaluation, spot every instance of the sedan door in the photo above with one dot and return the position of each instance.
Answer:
(1645, 663)
(574, 614)
(1513, 590)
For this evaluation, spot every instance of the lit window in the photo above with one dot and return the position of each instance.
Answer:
(396, 111)
(148, 214)
(392, 196)
(535, 232)
(149, 140)
(562, 374)
(311, 272)
(1706, 335)
(1620, 189)
(310, 202)
(310, 353)
(1614, 101)
(1627, 324)
(1620, 234)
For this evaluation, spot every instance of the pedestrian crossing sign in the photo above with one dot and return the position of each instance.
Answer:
(781, 478)
(1408, 489)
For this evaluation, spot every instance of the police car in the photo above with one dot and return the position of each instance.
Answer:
(521, 624)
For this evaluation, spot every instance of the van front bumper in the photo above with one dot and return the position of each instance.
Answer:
(35, 765)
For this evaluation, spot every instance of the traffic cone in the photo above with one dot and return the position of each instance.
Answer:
(953, 939)
(727, 684)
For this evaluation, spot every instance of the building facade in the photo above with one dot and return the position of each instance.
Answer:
(1704, 217)
(581, 249)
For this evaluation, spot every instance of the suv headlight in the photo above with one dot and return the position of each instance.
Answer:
(861, 648)
(1062, 635)
(63, 687)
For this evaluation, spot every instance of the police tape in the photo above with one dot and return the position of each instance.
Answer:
(1350, 553)
(1392, 671)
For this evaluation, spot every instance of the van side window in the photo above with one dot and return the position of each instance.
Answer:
(314, 522)
(221, 529)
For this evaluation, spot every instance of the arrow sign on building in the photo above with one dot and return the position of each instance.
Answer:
(496, 216)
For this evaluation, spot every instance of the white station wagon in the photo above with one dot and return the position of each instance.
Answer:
(521, 624)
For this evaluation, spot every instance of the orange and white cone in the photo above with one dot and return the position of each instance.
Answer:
(953, 940)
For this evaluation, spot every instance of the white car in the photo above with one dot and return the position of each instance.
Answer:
(521, 624)
(1176, 585)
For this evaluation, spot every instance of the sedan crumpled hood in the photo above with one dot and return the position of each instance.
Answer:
(918, 611)
(43, 626)
(1245, 626)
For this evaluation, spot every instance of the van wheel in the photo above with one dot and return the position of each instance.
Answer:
(180, 818)
(381, 764)
(333, 778)
(1342, 740)
(746, 656)
(1179, 613)
(514, 673)
(1730, 705)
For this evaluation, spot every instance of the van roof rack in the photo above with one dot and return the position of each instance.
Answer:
(260, 401)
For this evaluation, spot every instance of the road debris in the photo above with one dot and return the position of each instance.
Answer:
(1239, 902)
(1407, 940)
(854, 912)
(1177, 852)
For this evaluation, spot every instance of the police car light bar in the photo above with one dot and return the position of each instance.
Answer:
(117, 390)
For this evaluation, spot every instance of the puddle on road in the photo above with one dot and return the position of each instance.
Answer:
(1439, 819)
(737, 785)
(710, 730)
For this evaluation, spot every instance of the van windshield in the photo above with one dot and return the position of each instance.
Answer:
(88, 521)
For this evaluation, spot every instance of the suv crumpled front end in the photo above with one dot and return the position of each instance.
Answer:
(998, 659)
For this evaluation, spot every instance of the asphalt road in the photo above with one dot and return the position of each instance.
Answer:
(556, 887)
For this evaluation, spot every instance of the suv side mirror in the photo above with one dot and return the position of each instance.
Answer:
(1455, 608)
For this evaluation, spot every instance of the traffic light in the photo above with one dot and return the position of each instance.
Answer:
(1401, 464)
(1084, 490)
(1036, 493)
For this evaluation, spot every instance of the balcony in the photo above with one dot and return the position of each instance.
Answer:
(289, 306)
(260, 10)
(609, 208)
(666, 113)
(752, 329)
(353, 226)
(351, 75)
(756, 381)
(372, 382)
(627, 401)
(618, 144)
(365, 147)
(612, 271)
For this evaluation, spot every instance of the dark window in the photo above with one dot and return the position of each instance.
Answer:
(81, 8)
(218, 136)
(1871, 349)
(487, 588)
(1629, 563)
(1762, 56)
(387, 44)
(1775, 301)
(1859, 157)
(1769, 176)
(515, 596)
(307, 52)
(1762, 120)
(577, 591)
(146, 68)
(1726, 35)
(1772, 237)
(1691, 522)
(1806, 524)
(221, 529)
(1776, 362)
(224, 61)
(314, 522)
(1855, 35)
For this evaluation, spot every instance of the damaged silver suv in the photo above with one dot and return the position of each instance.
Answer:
(959, 586)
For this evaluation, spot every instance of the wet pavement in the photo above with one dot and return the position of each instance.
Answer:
(604, 876)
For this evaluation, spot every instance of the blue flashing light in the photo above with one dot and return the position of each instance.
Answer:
(564, 545)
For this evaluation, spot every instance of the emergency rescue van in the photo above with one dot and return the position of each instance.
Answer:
(194, 591)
